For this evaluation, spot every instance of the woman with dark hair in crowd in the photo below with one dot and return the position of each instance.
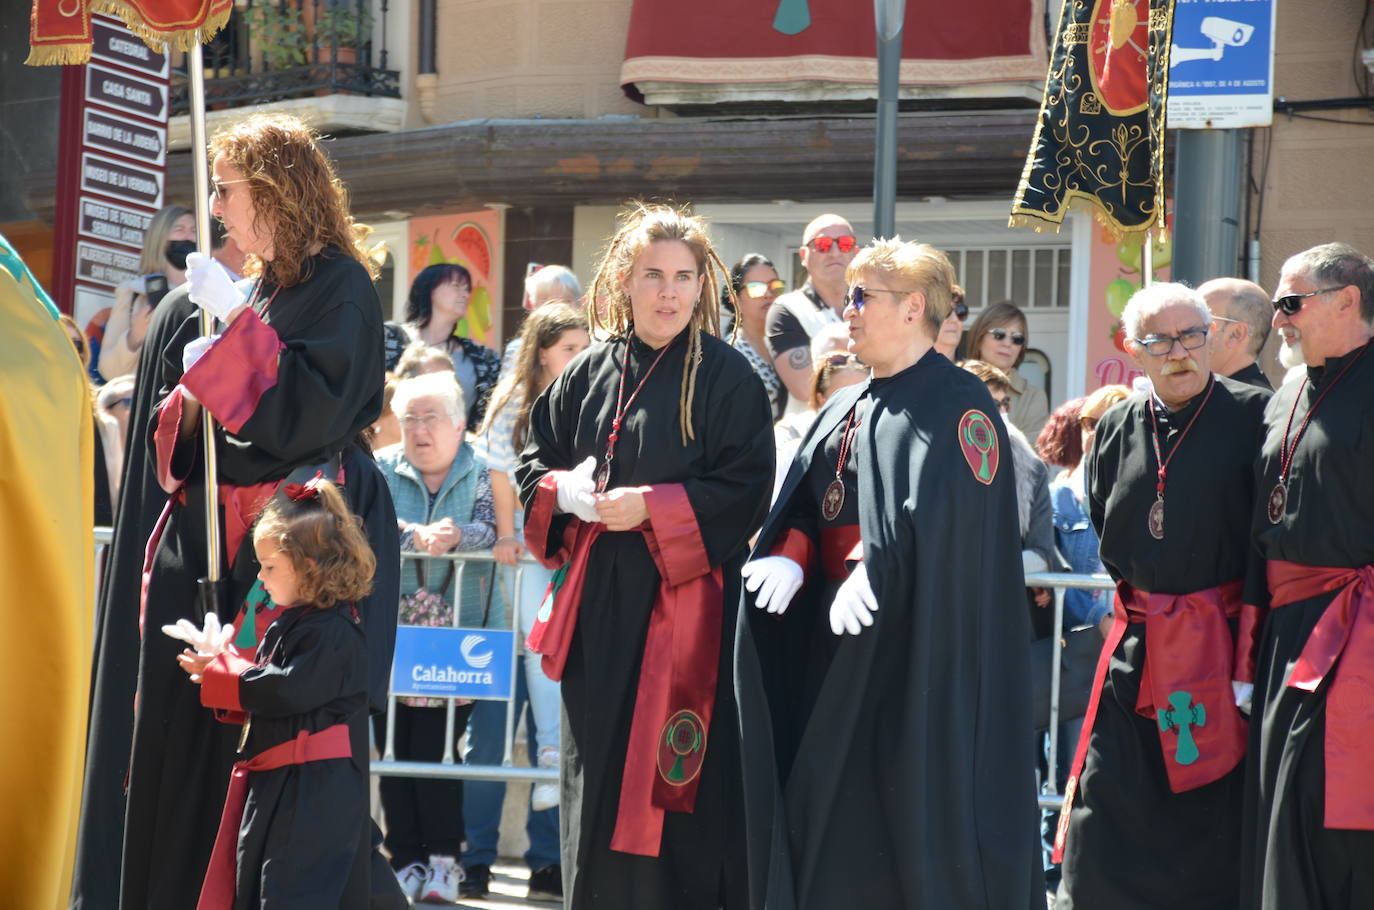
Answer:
(646, 470)
(291, 383)
(438, 301)
(755, 284)
(999, 337)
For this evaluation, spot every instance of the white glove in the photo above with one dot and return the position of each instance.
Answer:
(1245, 696)
(194, 350)
(577, 491)
(211, 640)
(210, 286)
(854, 604)
(776, 579)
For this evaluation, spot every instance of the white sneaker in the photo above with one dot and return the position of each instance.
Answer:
(412, 878)
(441, 885)
(545, 796)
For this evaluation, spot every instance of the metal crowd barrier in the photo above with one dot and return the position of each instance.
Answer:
(449, 769)
(1060, 582)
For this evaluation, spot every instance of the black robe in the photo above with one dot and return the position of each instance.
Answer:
(306, 831)
(727, 471)
(1253, 375)
(913, 782)
(328, 387)
(114, 667)
(1133, 844)
(1292, 861)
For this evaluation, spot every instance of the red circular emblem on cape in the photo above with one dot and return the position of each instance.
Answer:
(681, 748)
(978, 442)
(1118, 45)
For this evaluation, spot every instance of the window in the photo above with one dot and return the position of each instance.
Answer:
(1036, 278)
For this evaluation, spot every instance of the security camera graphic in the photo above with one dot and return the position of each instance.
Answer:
(1223, 32)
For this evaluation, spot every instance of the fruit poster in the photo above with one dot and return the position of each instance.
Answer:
(1115, 275)
(472, 240)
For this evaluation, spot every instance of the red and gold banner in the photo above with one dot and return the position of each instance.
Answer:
(785, 42)
(60, 30)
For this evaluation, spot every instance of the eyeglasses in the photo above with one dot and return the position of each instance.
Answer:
(217, 186)
(855, 295)
(1289, 304)
(1089, 424)
(760, 288)
(1017, 338)
(822, 244)
(1159, 345)
(960, 311)
(429, 421)
(1003, 404)
(840, 359)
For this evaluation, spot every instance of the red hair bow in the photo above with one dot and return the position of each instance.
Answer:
(308, 490)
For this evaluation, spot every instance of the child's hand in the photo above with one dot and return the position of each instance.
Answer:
(194, 664)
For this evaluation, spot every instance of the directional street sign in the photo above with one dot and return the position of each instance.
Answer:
(123, 136)
(1221, 64)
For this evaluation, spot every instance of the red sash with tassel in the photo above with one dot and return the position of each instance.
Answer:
(1185, 686)
(217, 892)
(1339, 645)
(679, 670)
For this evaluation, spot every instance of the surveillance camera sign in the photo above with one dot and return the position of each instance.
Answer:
(1221, 64)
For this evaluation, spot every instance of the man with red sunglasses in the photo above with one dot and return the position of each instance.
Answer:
(828, 245)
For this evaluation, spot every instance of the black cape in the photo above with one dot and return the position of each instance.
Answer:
(306, 835)
(1127, 826)
(114, 667)
(1291, 859)
(329, 387)
(913, 783)
(726, 471)
(1253, 375)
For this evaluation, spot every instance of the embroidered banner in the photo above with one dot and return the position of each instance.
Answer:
(60, 30)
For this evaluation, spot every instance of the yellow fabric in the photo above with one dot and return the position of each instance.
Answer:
(47, 570)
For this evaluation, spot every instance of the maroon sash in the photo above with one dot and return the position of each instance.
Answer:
(1345, 628)
(217, 892)
(1185, 686)
(678, 673)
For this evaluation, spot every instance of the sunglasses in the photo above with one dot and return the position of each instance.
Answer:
(960, 311)
(839, 359)
(1017, 338)
(857, 295)
(758, 289)
(1003, 404)
(1289, 304)
(218, 187)
(846, 243)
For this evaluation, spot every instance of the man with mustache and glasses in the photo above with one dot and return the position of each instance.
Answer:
(1152, 807)
(828, 246)
(1309, 797)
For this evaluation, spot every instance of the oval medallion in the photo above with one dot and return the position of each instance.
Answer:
(832, 501)
(1157, 520)
(1278, 501)
(603, 476)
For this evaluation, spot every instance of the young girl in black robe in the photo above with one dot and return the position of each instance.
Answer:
(295, 830)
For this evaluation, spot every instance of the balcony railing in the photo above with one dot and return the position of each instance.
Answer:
(274, 50)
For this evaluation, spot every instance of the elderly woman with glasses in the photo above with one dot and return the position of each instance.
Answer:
(998, 336)
(875, 628)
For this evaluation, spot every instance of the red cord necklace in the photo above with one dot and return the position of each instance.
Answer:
(1155, 520)
(1278, 497)
(833, 500)
(603, 474)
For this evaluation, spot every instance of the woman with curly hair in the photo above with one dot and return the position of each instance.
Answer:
(291, 383)
(646, 471)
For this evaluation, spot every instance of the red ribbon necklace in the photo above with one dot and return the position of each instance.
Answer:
(1155, 520)
(603, 474)
(1278, 497)
(833, 500)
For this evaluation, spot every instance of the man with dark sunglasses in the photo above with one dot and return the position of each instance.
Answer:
(1157, 775)
(828, 246)
(1309, 794)
(1240, 326)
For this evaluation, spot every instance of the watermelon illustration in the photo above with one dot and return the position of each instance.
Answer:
(475, 247)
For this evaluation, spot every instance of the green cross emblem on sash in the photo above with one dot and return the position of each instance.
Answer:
(1183, 715)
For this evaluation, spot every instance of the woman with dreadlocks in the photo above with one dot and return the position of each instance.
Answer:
(648, 467)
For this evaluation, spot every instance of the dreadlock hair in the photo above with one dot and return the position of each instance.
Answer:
(541, 330)
(643, 224)
(325, 543)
